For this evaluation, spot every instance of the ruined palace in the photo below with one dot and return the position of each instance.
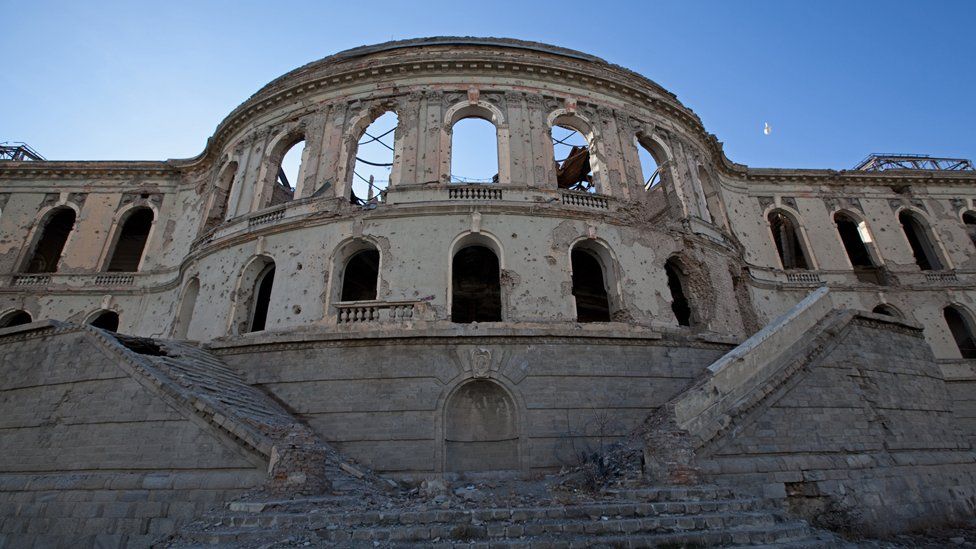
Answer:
(174, 334)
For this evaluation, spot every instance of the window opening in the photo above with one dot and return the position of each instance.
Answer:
(374, 161)
(360, 276)
(262, 299)
(218, 213)
(106, 320)
(888, 310)
(49, 247)
(969, 218)
(132, 241)
(679, 302)
(589, 288)
(15, 318)
(650, 167)
(918, 239)
(187, 305)
(961, 332)
(787, 241)
(475, 286)
(289, 170)
(571, 151)
(474, 151)
(853, 235)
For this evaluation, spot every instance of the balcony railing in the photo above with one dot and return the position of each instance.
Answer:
(32, 280)
(356, 312)
(585, 200)
(474, 192)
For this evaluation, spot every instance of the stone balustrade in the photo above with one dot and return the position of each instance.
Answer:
(355, 312)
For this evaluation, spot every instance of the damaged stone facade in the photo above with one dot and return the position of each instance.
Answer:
(394, 381)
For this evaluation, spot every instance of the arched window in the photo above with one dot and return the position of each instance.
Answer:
(969, 219)
(47, 251)
(962, 331)
(679, 302)
(187, 305)
(15, 318)
(106, 320)
(374, 156)
(360, 276)
(651, 162)
(131, 241)
(474, 151)
(589, 287)
(888, 310)
(262, 298)
(481, 431)
(574, 160)
(475, 286)
(290, 170)
(917, 233)
(788, 246)
(221, 196)
(855, 236)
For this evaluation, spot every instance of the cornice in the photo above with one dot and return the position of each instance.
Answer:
(78, 169)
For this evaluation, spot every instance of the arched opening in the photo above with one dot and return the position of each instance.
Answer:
(374, 158)
(788, 246)
(187, 305)
(474, 151)
(589, 287)
(131, 242)
(360, 276)
(855, 236)
(962, 331)
(713, 200)
(106, 320)
(481, 429)
(572, 154)
(887, 310)
(221, 197)
(288, 172)
(650, 163)
(54, 235)
(476, 294)
(916, 231)
(679, 302)
(969, 219)
(15, 318)
(262, 299)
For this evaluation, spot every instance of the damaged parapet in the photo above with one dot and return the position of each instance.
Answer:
(19, 152)
(880, 162)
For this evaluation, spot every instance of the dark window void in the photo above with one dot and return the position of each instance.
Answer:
(132, 241)
(787, 241)
(679, 302)
(47, 253)
(857, 251)
(359, 278)
(476, 286)
(888, 310)
(262, 299)
(107, 320)
(969, 218)
(15, 318)
(918, 239)
(592, 303)
(961, 332)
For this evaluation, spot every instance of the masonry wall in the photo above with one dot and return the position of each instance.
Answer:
(92, 456)
(867, 430)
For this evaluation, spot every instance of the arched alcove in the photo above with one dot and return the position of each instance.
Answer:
(106, 320)
(187, 305)
(262, 299)
(481, 429)
(252, 301)
(589, 287)
(713, 198)
(15, 318)
(961, 328)
(130, 243)
(56, 227)
(360, 276)
(475, 285)
(221, 196)
(887, 310)
(785, 232)
(917, 233)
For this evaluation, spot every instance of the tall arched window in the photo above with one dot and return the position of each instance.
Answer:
(572, 151)
(589, 287)
(474, 151)
(917, 233)
(651, 162)
(855, 237)
(962, 331)
(290, 168)
(262, 298)
(885, 309)
(54, 235)
(221, 196)
(374, 155)
(187, 305)
(679, 301)
(106, 320)
(475, 286)
(969, 219)
(131, 242)
(360, 276)
(15, 318)
(788, 245)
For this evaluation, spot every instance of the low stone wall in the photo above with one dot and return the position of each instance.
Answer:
(385, 401)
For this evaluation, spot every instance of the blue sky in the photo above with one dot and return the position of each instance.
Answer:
(835, 80)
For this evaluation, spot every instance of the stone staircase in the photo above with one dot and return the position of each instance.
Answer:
(625, 517)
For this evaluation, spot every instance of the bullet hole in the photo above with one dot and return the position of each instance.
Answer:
(298, 267)
(514, 235)
(297, 309)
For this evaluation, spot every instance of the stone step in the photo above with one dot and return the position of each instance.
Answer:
(669, 493)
